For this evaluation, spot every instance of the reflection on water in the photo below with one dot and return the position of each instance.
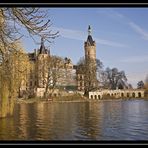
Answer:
(103, 120)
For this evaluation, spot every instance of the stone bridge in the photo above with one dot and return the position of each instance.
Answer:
(120, 93)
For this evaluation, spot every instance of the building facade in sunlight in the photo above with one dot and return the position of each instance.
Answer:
(74, 77)
(39, 69)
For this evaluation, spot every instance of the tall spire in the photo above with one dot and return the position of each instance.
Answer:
(42, 41)
(42, 47)
(89, 30)
(89, 38)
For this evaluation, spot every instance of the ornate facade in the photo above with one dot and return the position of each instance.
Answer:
(38, 73)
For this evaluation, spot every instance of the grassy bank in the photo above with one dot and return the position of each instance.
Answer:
(70, 98)
(30, 100)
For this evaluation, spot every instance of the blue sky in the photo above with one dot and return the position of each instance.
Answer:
(121, 35)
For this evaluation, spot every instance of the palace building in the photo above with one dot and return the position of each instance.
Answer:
(38, 73)
(73, 78)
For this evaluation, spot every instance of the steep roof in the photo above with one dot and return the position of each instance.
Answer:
(42, 49)
(90, 40)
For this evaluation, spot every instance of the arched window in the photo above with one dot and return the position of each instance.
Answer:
(139, 94)
(95, 96)
(99, 97)
(122, 94)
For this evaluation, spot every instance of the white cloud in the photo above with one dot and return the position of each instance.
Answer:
(79, 35)
(109, 43)
(71, 34)
(111, 13)
(139, 30)
(135, 59)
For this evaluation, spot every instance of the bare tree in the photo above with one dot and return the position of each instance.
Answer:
(89, 68)
(103, 80)
(55, 73)
(146, 82)
(34, 20)
(114, 77)
(12, 22)
(140, 85)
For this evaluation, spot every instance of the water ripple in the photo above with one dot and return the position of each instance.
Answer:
(103, 120)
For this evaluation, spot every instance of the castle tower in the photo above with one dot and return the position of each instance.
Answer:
(90, 46)
(86, 76)
(90, 77)
(42, 65)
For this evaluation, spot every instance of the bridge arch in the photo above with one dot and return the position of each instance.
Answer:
(122, 94)
(117, 93)
(108, 94)
(139, 94)
(133, 95)
(128, 94)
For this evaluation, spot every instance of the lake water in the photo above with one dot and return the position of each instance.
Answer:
(102, 120)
